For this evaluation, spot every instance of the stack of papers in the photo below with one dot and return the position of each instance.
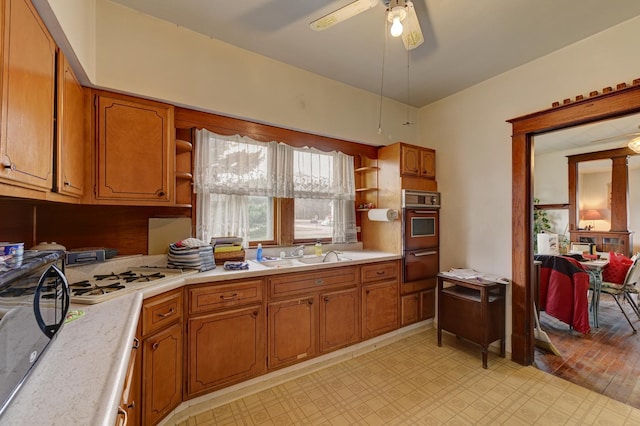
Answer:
(472, 274)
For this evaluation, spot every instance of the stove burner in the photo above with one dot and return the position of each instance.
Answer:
(85, 288)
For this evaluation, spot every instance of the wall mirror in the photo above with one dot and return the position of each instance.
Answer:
(593, 183)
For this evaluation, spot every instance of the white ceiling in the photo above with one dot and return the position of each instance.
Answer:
(466, 41)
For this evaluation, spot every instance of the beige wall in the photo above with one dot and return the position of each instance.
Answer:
(149, 57)
(473, 141)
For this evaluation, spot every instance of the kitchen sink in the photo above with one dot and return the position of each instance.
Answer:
(330, 257)
(280, 263)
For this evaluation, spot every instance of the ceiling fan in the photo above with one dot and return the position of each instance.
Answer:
(401, 14)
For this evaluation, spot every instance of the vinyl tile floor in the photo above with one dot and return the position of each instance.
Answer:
(412, 381)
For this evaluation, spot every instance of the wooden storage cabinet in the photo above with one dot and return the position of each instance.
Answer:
(379, 298)
(161, 355)
(293, 325)
(417, 161)
(28, 98)
(339, 319)
(472, 310)
(71, 135)
(135, 151)
(225, 334)
(417, 306)
(129, 412)
(224, 348)
(619, 242)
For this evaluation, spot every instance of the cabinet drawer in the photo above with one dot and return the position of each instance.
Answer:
(379, 271)
(211, 296)
(291, 284)
(161, 310)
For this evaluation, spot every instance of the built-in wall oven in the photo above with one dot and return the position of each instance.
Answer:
(34, 300)
(421, 236)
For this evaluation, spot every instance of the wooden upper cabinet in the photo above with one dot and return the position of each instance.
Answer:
(71, 131)
(417, 161)
(135, 151)
(28, 96)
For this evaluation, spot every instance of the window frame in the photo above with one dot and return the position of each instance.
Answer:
(187, 120)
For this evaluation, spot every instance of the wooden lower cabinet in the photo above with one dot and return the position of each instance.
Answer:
(379, 308)
(417, 306)
(161, 330)
(292, 331)
(339, 319)
(224, 348)
(161, 373)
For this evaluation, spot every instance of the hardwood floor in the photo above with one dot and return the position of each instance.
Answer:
(606, 361)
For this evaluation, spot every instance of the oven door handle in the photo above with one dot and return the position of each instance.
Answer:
(425, 253)
(433, 212)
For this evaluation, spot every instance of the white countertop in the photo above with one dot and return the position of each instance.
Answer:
(80, 378)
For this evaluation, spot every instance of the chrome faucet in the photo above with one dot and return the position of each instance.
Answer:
(297, 252)
(335, 253)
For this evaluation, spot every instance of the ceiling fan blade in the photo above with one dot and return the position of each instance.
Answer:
(616, 137)
(342, 14)
(412, 34)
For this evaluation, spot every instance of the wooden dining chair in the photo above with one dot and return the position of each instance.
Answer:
(628, 288)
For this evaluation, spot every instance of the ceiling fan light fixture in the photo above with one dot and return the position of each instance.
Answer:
(396, 15)
(635, 144)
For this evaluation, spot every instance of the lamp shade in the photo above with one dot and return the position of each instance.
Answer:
(591, 214)
(635, 144)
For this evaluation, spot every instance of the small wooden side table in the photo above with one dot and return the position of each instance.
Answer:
(472, 309)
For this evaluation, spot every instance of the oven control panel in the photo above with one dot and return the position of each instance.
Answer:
(420, 199)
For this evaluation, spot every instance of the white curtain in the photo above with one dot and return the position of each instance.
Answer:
(229, 169)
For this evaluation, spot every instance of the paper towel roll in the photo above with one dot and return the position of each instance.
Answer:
(383, 215)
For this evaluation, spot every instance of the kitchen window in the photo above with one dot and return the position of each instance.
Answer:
(240, 184)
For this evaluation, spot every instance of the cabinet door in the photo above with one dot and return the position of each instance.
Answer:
(409, 309)
(130, 402)
(225, 348)
(379, 308)
(161, 373)
(339, 319)
(427, 163)
(409, 160)
(135, 151)
(427, 304)
(292, 331)
(28, 96)
(71, 132)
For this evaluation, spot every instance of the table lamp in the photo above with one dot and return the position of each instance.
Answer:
(592, 215)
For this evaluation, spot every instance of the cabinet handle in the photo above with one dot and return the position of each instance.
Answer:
(319, 281)
(168, 314)
(326, 298)
(254, 314)
(310, 302)
(380, 272)
(67, 183)
(155, 346)
(161, 194)
(136, 343)
(367, 291)
(425, 253)
(123, 413)
(132, 405)
(9, 165)
(233, 296)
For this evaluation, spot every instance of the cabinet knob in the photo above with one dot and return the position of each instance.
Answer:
(155, 346)
(9, 165)
(310, 302)
(254, 314)
(320, 281)
(161, 194)
(132, 405)
(67, 183)
(326, 298)
(136, 343)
